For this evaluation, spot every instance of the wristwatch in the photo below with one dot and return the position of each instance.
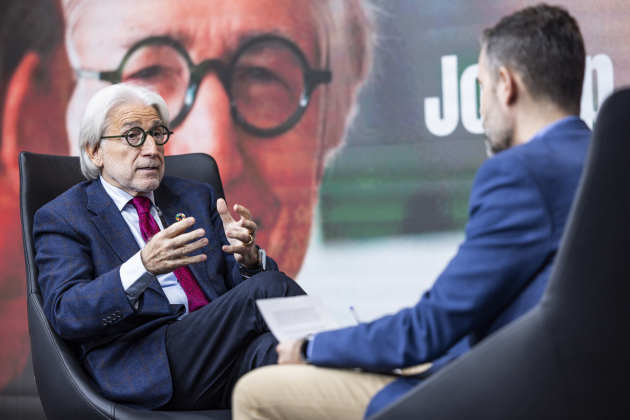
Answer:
(304, 349)
(262, 259)
(262, 262)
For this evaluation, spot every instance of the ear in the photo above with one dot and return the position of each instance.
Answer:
(507, 87)
(34, 109)
(94, 152)
(17, 90)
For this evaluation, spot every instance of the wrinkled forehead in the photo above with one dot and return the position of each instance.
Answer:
(99, 33)
(128, 116)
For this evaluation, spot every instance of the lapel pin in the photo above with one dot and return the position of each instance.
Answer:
(180, 216)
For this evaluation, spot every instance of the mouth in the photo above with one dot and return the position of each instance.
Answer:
(148, 168)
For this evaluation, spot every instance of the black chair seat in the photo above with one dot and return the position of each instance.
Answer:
(66, 392)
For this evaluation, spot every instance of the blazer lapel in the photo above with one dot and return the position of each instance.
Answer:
(171, 204)
(110, 222)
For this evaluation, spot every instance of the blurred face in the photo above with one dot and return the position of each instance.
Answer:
(132, 169)
(274, 177)
(496, 125)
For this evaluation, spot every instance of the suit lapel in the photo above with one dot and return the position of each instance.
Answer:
(171, 204)
(110, 222)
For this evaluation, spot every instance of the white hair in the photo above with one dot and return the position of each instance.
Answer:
(98, 112)
(346, 38)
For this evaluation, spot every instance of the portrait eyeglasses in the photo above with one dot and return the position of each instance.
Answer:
(268, 80)
(136, 136)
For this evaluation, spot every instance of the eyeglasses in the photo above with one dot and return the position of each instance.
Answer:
(268, 81)
(136, 136)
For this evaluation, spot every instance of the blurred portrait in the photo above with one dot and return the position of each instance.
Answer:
(35, 85)
(266, 87)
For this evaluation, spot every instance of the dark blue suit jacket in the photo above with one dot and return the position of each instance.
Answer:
(81, 241)
(519, 204)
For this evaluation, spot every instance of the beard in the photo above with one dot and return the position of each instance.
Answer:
(498, 131)
(497, 142)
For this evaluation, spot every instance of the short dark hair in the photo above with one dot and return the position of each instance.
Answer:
(544, 45)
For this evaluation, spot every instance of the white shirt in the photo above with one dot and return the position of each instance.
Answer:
(134, 277)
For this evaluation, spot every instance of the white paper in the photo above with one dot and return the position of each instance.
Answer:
(291, 318)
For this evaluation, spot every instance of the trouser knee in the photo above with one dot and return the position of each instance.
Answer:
(270, 284)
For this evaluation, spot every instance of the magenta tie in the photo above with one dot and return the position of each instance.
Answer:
(148, 228)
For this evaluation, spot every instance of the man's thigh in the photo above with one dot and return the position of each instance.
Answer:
(305, 392)
(204, 346)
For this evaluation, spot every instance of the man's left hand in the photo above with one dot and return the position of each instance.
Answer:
(241, 234)
(289, 352)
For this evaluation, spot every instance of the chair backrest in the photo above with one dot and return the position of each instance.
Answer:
(65, 391)
(569, 356)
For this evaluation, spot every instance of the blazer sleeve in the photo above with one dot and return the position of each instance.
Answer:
(508, 239)
(77, 305)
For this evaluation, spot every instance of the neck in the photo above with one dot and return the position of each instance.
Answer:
(534, 118)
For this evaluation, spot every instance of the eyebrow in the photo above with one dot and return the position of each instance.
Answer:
(246, 37)
(184, 37)
(180, 35)
(243, 38)
(139, 123)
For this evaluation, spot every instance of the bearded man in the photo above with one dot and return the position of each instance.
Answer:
(531, 69)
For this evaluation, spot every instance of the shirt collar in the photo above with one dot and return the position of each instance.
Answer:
(121, 197)
(546, 129)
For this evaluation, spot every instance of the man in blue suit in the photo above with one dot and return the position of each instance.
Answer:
(531, 69)
(146, 273)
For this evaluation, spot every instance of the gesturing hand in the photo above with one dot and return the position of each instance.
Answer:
(168, 249)
(241, 234)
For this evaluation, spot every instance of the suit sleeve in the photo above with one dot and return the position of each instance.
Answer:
(77, 305)
(508, 239)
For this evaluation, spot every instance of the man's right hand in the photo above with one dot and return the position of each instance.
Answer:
(168, 250)
(289, 352)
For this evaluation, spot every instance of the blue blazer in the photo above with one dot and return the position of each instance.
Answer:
(518, 207)
(81, 240)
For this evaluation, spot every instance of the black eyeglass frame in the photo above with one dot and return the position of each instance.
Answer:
(312, 78)
(144, 136)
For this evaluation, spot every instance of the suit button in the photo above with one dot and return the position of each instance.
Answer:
(104, 321)
(109, 320)
(119, 314)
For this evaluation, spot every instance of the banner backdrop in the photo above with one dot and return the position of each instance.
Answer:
(342, 211)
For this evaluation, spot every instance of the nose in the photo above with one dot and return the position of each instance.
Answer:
(208, 128)
(149, 147)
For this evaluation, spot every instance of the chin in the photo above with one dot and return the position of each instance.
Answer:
(148, 185)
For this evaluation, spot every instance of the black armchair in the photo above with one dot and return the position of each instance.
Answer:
(568, 358)
(66, 392)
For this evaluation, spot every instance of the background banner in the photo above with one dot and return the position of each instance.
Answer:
(362, 198)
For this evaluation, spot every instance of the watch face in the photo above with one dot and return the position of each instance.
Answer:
(304, 348)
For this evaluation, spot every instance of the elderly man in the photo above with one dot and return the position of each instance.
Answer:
(531, 69)
(246, 81)
(148, 274)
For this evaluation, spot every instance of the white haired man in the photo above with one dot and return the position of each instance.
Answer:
(156, 297)
(213, 61)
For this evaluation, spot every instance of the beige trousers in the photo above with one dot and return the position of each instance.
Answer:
(295, 392)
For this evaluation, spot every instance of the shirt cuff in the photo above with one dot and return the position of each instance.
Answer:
(135, 278)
